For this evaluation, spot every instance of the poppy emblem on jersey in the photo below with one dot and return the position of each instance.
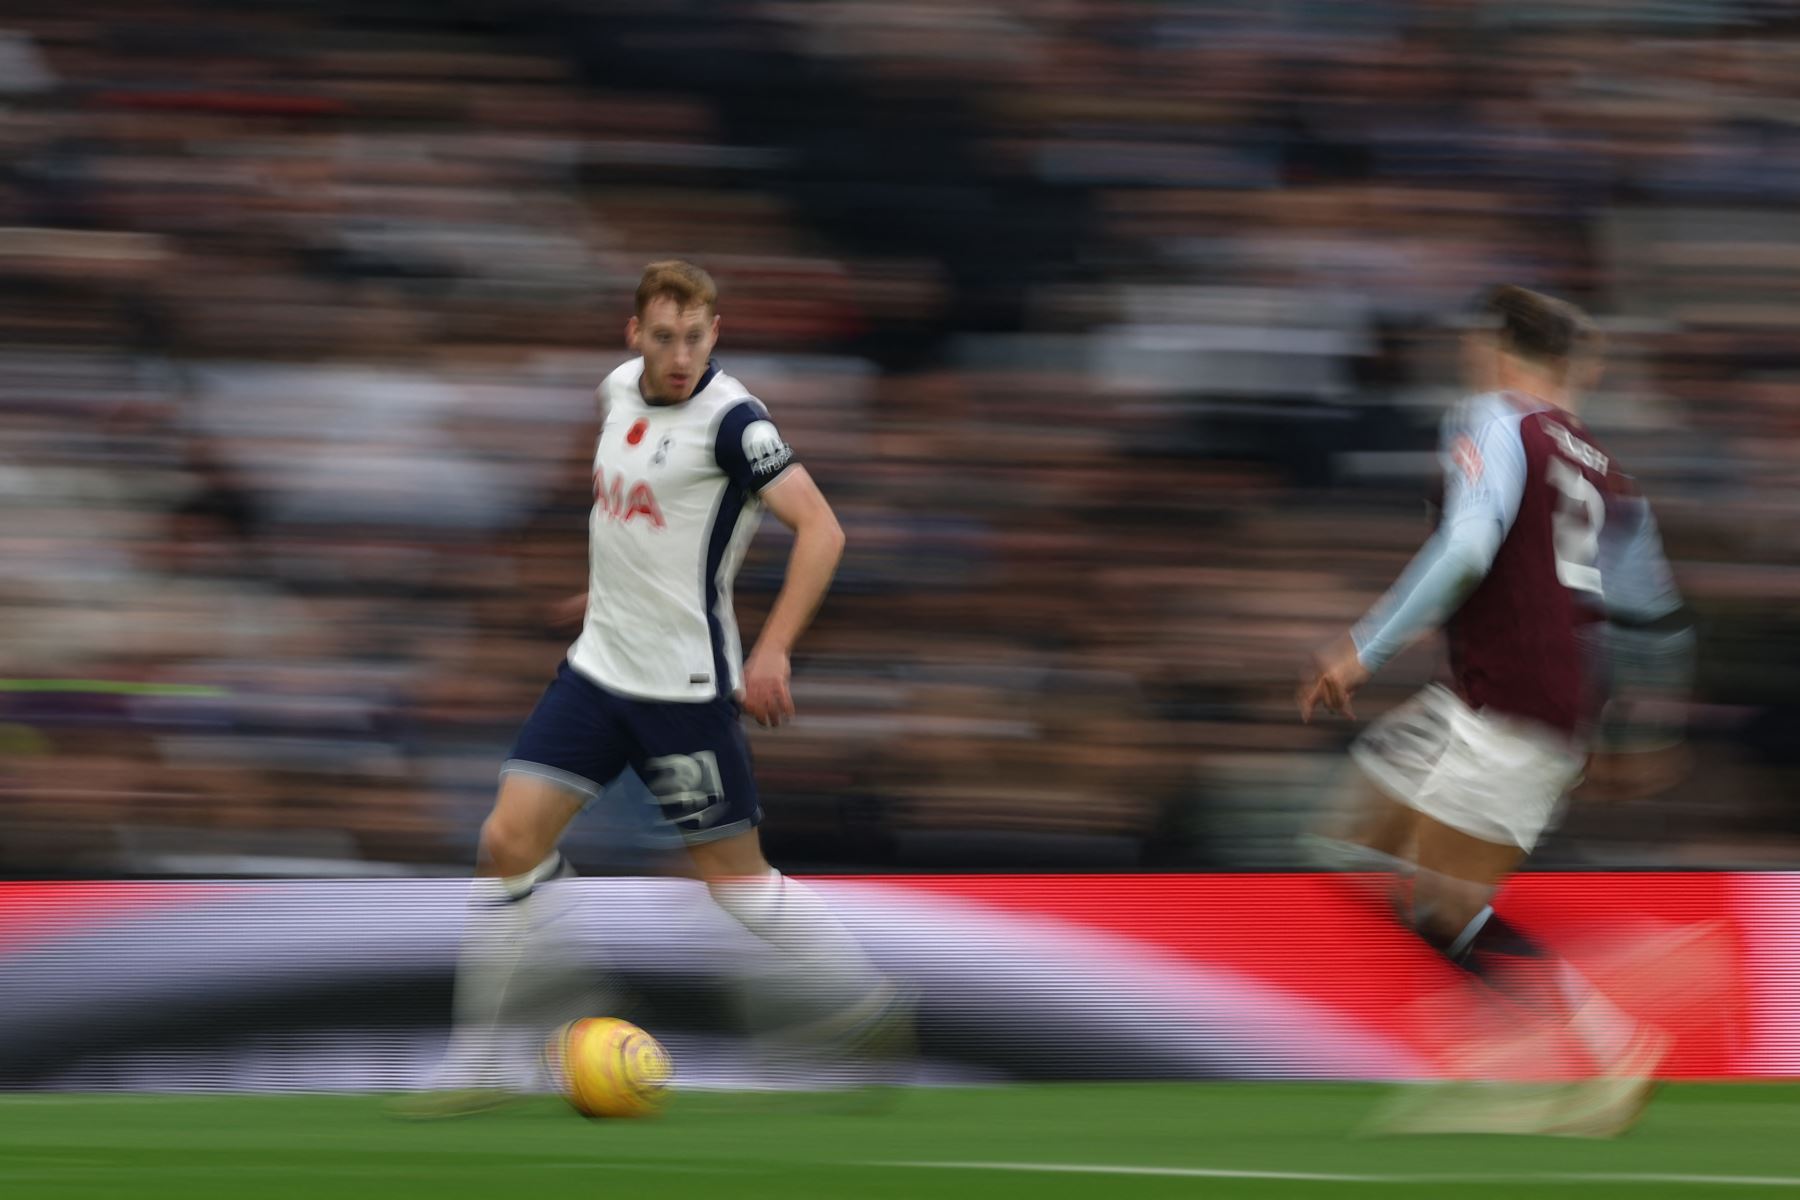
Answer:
(636, 433)
(1467, 458)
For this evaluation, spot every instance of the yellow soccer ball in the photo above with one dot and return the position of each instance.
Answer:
(610, 1068)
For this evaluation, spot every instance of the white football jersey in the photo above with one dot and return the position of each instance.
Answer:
(675, 506)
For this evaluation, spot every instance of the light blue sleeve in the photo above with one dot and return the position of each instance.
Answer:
(1639, 583)
(1484, 480)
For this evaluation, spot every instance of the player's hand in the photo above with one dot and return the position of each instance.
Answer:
(765, 694)
(567, 613)
(1332, 680)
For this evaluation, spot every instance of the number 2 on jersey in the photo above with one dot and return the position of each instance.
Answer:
(1575, 527)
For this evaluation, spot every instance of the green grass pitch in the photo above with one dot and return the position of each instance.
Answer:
(1125, 1141)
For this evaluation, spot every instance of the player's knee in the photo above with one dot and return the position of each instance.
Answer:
(509, 848)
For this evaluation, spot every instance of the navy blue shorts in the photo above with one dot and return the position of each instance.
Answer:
(692, 756)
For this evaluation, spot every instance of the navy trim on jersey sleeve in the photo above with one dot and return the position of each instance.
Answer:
(749, 448)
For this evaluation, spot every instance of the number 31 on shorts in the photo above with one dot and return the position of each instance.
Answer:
(687, 787)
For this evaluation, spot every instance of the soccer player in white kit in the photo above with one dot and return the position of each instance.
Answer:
(686, 462)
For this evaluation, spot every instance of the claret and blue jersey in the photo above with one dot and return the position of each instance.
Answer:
(1521, 559)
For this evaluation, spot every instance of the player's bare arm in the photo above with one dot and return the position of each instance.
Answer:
(818, 546)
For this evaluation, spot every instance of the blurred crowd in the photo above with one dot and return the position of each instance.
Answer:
(1115, 331)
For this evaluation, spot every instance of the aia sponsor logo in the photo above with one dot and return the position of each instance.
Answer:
(624, 502)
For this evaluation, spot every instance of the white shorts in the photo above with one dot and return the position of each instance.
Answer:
(1493, 777)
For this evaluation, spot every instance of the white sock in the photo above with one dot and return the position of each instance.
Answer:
(1600, 1025)
(793, 918)
(496, 936)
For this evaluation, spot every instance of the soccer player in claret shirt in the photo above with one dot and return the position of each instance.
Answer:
(1462, 781)
(685, 463)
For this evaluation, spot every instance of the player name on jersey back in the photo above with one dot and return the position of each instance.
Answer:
(675, 505)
